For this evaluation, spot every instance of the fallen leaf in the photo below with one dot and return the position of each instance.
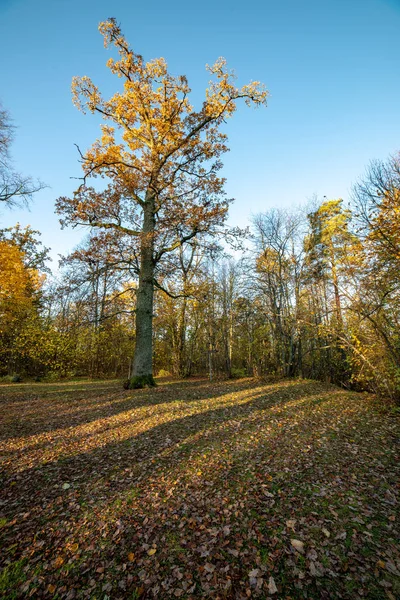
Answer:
(392, 568)
(290, 523)
(66, 486)
(151, 551)
(131, 556)
(254, 573)
(380, 564)
(298, 545)
(268, 494)
(312, 555)
(74, 548)
(272, 589)
(51, 588)
(58, 562)
(326, 532)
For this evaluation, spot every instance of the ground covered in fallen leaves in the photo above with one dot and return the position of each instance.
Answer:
(235, 489)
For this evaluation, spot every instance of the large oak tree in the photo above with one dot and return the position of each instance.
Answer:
(160, 161)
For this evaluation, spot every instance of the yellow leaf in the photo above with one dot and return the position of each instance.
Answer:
(326, 532)
(298, 545)
(152, 551)
(380, 564)
(290, 523)
(131, 556)
(51, 588)
(74, 547)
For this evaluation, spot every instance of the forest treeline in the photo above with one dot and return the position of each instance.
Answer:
(315, 294)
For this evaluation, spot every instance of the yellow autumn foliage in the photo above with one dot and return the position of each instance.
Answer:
(17, 285)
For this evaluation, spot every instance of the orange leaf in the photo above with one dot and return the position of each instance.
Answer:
(131, 556)
(58, 562)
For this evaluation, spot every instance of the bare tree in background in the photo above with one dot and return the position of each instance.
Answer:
(15, 189)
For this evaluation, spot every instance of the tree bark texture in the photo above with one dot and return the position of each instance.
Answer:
(143, 358)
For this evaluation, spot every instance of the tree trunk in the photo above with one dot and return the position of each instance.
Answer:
(143, 358)
(181, 346)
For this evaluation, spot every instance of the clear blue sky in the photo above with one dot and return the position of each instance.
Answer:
(332, 68)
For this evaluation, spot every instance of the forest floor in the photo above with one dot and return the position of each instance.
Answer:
(236, 489)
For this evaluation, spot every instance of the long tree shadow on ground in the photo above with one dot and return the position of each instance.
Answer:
(137, 447)
(39, 410)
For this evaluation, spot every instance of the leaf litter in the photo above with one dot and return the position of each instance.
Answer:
(231, 489)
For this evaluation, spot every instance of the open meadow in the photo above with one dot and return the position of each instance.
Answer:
(233, 489)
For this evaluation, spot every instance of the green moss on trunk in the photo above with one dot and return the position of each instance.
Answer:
(140, 381)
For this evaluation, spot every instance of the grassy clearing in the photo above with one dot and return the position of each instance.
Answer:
(235, 489)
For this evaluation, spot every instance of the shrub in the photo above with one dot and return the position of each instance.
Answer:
(6, 379)
(238, 373)
(15, 378)
(163, 373)
(51, 377)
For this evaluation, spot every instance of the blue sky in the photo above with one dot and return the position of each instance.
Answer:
(331, 67)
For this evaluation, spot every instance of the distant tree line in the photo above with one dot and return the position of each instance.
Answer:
(315, 295)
